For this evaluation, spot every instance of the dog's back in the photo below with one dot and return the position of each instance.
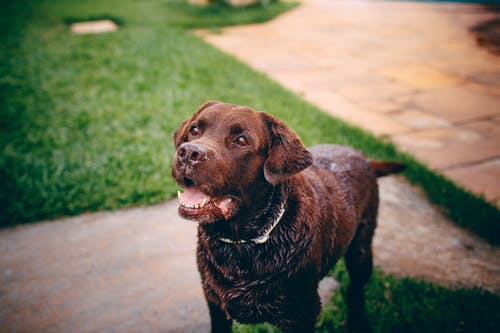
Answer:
(346, 195)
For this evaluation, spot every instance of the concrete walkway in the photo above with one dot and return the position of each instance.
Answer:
(128, 271)
(409, 71)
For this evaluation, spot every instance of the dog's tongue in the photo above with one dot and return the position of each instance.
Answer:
(192, 196)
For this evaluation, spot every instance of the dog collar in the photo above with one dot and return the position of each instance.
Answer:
(263, 238)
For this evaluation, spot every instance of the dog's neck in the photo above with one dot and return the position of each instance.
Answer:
(256, 223)
(262, 238)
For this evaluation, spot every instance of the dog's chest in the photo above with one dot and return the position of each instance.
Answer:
(247, 290)
(252, 301)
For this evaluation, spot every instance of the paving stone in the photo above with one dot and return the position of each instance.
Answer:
(340, 107)
(199, 2)
(481, 178)
(93, 27)
(241, 3)
(489, 79)
(458, 104)
(326, 288)
(366, 91)
(380, 105)
(419, 120)
(405, 99)
(422, 76)
(454, 146)
(491, 90)
(465, 62)
(301, 79)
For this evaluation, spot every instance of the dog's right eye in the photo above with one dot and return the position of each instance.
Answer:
(194, 130)
(242, 141)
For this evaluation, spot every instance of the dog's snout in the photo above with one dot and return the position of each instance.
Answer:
(191, 154)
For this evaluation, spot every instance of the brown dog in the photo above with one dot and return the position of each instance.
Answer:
(273, 216)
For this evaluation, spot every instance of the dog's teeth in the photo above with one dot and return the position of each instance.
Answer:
(203, 203)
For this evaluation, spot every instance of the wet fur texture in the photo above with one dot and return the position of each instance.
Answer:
(330, 197)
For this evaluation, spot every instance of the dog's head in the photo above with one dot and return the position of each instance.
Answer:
(227, 155)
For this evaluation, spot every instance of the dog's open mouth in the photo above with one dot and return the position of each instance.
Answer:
(198, 206)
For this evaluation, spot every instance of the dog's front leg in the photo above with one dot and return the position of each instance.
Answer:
(302, 305)
(304, 320)
(219, 321)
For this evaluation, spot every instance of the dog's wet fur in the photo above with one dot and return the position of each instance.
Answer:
(239, 169)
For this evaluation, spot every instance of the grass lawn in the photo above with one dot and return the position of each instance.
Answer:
(87, 124)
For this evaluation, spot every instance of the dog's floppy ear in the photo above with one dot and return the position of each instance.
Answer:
(286, 152)
(178, 135)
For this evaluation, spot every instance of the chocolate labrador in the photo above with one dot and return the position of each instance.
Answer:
(273, 216)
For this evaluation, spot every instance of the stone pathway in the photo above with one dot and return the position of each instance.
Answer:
(410, 71)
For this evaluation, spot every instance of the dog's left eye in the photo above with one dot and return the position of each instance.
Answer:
(242, 140)
(194, 130)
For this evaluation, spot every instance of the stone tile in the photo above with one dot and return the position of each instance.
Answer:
(490, 90)
(381, 91)
(300, 80)
(419, 120)
(482, 178)
(405, 99)
(338, 106)
(438, 156)
(421, 76)
(458, 104)
(454, 146)
(487, 79)
(199, 2)
(476, 61)
(380, 106)
(267, 61)
(326, 288)
(93, 27)
(352, 74)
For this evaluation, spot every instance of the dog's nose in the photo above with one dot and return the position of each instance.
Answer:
(191, 154)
